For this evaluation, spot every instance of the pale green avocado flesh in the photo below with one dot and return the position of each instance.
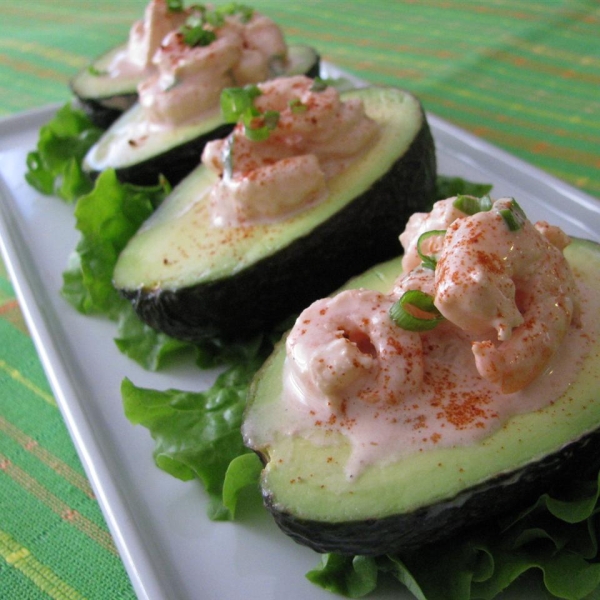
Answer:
(121, 146)
(92, 82)
(305, 486)
(105, 98)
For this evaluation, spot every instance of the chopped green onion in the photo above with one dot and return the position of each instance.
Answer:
(197, 35)
(453, 186)
(318, 85)
(297, 106)
(92, 70)
(513, 215)
(471, 205)
(266, 123)
(235, 102)
(271, 118)
(429, 261)
(237, 105)
(195, 31)
(424, 302)
(235, 8)
(175, 5)
(214, 18)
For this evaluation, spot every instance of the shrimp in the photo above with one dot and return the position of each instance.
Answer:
(516, 282)
(315, 136)
(442, 215)
(349, 348)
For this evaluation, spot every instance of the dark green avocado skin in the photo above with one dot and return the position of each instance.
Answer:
(310, 267)
(101, 114)
(174, 164)
(440, 521)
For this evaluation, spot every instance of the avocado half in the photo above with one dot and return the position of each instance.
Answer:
(173, 152)
(432, 495)
(104, 98)
(101, 97)
(192, 280)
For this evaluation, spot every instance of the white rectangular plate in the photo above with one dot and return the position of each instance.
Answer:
(169, 547)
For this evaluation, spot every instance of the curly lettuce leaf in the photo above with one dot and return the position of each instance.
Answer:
(54, 168)
(197, 434)
(447, 187)
(554, 537)
(349, 576)
(107, 217)
(243, 472)
(149, 348)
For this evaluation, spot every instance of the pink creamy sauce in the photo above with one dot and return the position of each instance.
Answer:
(349, 369)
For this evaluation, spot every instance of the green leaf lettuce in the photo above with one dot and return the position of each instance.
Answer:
(54, 168)
(197, 434)
(554, 538)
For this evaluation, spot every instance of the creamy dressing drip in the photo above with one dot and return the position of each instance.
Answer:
(349, 369)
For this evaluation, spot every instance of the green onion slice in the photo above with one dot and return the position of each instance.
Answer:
(404, 319)
(197, 35)
(429, 261)
(235, 102)
(513, 215)
(471, 205)
(175, 5)
(235, 8)
(200, 26)
(214, 18)
(237, 105)
(258, 126)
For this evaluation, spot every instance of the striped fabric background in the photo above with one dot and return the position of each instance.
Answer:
(524, 75)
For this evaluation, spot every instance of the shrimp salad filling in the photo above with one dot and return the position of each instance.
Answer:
(505, 331)
(292, 136)
(145, 37)
(190, 55)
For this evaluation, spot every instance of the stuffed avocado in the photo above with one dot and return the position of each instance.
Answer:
(388, 433)
(215, 261)
(177, 107)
